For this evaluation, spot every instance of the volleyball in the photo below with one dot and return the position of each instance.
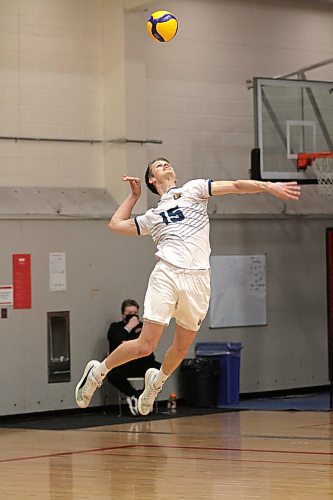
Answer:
(162, 26)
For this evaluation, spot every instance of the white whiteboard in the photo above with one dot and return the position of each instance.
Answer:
(238, 291)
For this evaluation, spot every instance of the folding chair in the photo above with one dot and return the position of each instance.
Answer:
(138, 383)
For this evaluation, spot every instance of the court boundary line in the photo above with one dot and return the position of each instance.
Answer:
(203, 448)
(226, 459)
(64, 453)
(236, 436)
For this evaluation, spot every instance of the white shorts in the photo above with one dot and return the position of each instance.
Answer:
(177, 293)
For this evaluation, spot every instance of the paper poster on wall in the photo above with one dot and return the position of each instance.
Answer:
(57, 272)
(6, 295)
(22, 281)
(238, 291)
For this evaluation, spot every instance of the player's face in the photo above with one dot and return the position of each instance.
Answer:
(130, 310)
(162, 169)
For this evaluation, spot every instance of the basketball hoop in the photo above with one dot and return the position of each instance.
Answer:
(322, 165)
(323, 170)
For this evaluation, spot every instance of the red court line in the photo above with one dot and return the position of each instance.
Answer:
(327, 425)
(63, 453)
(203, 448)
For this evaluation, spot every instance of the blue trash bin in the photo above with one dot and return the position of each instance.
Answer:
(228, 354)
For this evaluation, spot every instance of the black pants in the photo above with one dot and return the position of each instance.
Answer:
(137, 368)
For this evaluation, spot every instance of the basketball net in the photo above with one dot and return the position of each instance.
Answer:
(323, 170)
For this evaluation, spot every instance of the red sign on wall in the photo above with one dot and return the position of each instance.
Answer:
(22, 281)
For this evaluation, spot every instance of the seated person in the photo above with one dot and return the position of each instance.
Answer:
(128, 328)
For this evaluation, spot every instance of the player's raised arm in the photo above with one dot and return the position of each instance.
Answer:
(121, 220)
(283, 190)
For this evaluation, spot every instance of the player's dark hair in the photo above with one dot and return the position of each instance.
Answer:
(127, 303)
(149, 174)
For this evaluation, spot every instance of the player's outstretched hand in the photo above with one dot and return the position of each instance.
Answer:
(285, 190)
(134, 183)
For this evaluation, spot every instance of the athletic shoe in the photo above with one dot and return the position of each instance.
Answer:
(87, 385)
(133, 405)
(147, 398)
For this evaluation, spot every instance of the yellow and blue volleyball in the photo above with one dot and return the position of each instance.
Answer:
(162, 26)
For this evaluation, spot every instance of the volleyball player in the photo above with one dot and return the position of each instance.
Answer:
(179, 285)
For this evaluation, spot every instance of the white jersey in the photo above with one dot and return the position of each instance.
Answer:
(179, 225)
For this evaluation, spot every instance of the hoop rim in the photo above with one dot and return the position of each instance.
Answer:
(305, 160)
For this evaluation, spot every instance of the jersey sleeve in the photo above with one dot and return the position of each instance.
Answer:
(143, 223)
(200, 188)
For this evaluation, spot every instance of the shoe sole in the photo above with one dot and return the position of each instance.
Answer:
(140, 397)
(82, 381)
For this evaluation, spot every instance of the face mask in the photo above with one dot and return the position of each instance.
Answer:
(129, 316)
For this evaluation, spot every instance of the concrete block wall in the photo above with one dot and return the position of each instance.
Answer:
(197, 99)
(193, 92)
(51, 87)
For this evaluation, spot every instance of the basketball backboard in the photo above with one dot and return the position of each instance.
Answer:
(291, 117)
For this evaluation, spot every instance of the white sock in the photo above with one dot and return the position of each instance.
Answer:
(160, 379)
(100, 372)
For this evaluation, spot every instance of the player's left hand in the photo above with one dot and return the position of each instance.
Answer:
(285, 190)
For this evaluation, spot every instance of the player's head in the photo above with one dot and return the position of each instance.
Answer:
(158, 170)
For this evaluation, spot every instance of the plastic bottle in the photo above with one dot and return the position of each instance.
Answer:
(172, 403)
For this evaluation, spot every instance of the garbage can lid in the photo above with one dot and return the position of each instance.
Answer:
(216, 348)
(204, 364)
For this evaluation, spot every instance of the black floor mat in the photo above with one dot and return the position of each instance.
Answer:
(95, 417)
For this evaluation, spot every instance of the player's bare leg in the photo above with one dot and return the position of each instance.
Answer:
(182, 341)
(95, 372)
(138, 348)
(154, 378)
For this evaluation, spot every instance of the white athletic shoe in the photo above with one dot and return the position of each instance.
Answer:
(147, 398)
(87, 385)
(133, 405)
